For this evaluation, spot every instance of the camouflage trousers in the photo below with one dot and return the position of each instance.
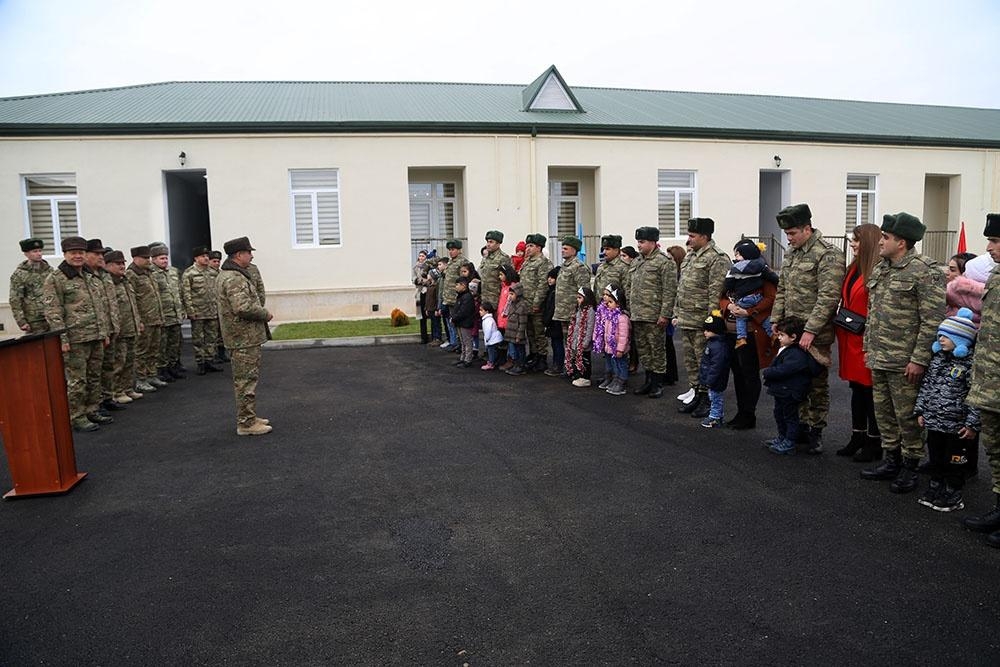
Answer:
(539, 342)
(990, 437)
(204, 334)
(147, 351)
(649, 342)
(38, 327)
(246, 372)
(816, 407)
(124, 365)
(694, 347)
(895, 399)
(170, 346)
(108, 368)
(83, 376)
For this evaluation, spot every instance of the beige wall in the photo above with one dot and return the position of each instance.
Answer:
(121, 195)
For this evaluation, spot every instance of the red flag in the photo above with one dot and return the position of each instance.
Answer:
(961, 239)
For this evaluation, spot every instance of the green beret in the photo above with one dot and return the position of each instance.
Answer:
(572, 242)
(74, 243)
(454, 243)
(494, 235)
(647, 234)
(32, 244)
(611, 241)
(797, 215)
(536, 239)
(992, 225)
(904, 225)
(704, 226)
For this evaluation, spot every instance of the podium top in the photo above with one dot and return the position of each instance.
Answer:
(27, 338)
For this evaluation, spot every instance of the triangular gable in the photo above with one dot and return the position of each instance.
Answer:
(549, 92)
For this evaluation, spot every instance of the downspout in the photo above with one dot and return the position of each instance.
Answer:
(534, 186)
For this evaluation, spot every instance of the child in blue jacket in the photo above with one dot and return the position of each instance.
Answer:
(788, 379)
(713, 369)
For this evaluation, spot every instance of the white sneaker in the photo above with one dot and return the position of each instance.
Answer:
(581, 382)
(687, 396)
(444, 345)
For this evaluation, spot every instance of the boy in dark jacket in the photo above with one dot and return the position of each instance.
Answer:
(463, 316)
(788, 379)
(713, 371)
(553, 328)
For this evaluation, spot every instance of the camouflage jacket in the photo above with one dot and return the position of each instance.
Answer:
(171, 311)
(72, 302)
(198, 293)
(985, 384)
(610, 272)
(703, 273)
(809, 286)
(906, 303)
(489, 272)
(147, 295)
(26, 293)
(128, 310)
(573, 275)
(448, 294)
(258, 282)
(534, 280)
(109, 300)
(242, 318)
(652, 287)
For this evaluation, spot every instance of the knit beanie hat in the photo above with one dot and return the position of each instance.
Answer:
(961, 330)
(748, 249)
(715, 323)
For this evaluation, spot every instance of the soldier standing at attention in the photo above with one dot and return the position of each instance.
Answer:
(812, 274)
(171, 334)
(652, 289)
(573, 274)
(489, 268)
(985, 391)
(703, 273)
(109, 304)
(202, 307)
(70, 297)
(534, 281)
(613, 269)
(214, 262)
(147, 297)
(130, 325)
(244, 329)
(26, 288)
(906, 302)
(448, 294)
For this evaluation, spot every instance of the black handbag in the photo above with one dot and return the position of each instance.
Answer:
(849, 320)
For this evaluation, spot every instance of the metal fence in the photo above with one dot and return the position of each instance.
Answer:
(438, 245)
(774, 250)
(938, 245)
(591, 248)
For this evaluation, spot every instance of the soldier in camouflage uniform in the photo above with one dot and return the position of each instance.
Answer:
(173, 311)
(906, 302)
(651, 288)
(71, 298)
(573, 274)
(613, 268)
(129, 326)
(244, 328)
(985, 384)
(147, 297)
(214, 262)
(812, 274)
(448, 294)
(26, 288)
(703, 273)
(489, 268)
(534, 281)
(202, 307)
(109, 300)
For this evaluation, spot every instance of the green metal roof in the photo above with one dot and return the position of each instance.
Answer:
(304, 106)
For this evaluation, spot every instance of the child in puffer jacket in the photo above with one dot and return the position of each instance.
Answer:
(611, 338)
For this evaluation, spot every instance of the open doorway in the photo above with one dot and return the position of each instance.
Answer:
(775, 193)
(188, 222)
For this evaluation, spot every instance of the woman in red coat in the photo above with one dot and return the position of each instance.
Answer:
(866, 442)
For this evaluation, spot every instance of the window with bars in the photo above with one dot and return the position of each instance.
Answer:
(315, 205)
(50, 204)
(432, 211)
(862, 199)
(564, 208)
(677, 198)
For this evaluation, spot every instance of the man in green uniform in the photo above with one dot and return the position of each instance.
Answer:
(26, 288)
(573, 274)
(244, 329)
(652, 289)
(172, 311)
(109, 306)
(906, 303)
(985, 390)
(147, 297)
(534, 281)
(613, 268)
(489, 268)
(812, 274)
(214, 264)
(448, 295)
(202, 307)
(129, 327)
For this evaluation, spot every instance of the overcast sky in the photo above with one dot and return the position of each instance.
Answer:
(915, 51)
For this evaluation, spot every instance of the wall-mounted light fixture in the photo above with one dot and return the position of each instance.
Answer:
(777, 160)
(182, 158)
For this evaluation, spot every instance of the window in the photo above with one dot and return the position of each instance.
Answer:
(432, 211)
(315, 202)
(51, 208)
(564, 208)
(677, 198)
(862, 199)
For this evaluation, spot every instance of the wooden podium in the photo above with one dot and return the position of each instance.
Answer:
(34, 416)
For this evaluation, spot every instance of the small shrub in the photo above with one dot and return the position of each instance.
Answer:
(398, 318)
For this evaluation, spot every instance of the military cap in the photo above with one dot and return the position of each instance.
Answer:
(536, 239)
(647, 234)
(992, 225)
(494, 235)
(32, 244)
(715, 323)
(215, 254)
(704, 226)
(611, 241)
(234, 246)
(630, 251)
(157, 248)
(200, 250)
(453, 243)
(74, 243)
(114, 256)
(903, 225)
(140, 251)
(797, 215)
(95, 245)
(572, 242)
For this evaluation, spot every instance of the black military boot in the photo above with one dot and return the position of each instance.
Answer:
(178, 368)
(907, 478)
(212, 368)
(163, 375)
(646, 386)
(656, 389)
(174, 373)
(870, 451)
(201, 368)
(704, 406)
(700, 396)
(854, 445)
(887, 469)
(815, 444)
(112, 405)
(985, 523)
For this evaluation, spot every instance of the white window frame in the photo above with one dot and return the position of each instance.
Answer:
(555, 200)
(313, 194)
(54, 201)
(679, 226)
(435, 201)
(856, 194)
